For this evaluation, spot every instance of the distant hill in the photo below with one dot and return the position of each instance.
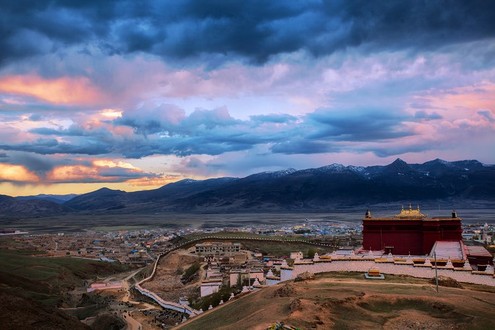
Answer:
(310, 189)
(59, 199)
(17, 206)
(316, 189)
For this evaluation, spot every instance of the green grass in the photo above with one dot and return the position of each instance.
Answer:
(278, 250)
(45, 279)
(278, 246)
(388, 277)
(191, 271)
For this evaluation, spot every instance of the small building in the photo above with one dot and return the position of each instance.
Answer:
(238, 276)
(209, 287)
(296, 255)
(217, 248)
(479, 256)
(97, 286)
(238, 258)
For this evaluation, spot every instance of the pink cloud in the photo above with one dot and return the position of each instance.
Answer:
(63, 90)
(461, 101)
(154, 181)
(101, 170)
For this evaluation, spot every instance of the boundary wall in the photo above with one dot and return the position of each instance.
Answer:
(394, 268)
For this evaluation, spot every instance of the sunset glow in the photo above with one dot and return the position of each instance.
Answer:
(135, 98)
(62, 90)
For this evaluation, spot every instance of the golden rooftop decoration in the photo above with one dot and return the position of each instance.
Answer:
(410, 213)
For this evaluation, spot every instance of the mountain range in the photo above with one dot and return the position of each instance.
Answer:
(316, 189)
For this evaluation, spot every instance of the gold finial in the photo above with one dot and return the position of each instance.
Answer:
(410, 213)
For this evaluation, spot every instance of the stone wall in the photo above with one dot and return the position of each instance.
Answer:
(389, 268)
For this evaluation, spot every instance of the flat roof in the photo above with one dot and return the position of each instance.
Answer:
(218, 244)
(478, 251)
(410, 214)
(446, 250)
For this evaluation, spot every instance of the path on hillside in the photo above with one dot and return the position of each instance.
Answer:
(132, 324)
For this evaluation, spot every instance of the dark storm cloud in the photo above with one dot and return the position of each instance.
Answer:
(488, 115)
(387, 151)
(166, 130)
(211, 143)
(210, 132)
(363, 125)
(172, 121)
(297, 146)
(35, 163)
(252, 30)
(52, 146)
(73, 130)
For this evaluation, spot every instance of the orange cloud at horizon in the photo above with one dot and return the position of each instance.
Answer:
(17, 173)
(91, 173)
(111, 163)
(65, 90)
(70, 173)
(154, 181)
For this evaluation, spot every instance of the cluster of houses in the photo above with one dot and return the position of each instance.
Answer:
(138, 248)
(229, 265)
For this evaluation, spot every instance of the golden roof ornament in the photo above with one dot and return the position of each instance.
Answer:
(410, 213)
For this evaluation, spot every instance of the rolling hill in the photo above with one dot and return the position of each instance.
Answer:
(317, 189)
(348, 301)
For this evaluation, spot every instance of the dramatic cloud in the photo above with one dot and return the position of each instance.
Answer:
(16, 173)
(254, 30)
(99, 171)
(57, 91)
(21, 167)
(145, 93)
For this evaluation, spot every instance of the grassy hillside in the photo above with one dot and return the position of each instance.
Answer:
(45, 280)
(18, 312)
(31, 287)
(342, 302)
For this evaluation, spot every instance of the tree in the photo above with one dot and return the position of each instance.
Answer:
(311, 252)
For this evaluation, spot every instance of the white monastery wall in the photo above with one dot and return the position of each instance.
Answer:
(388, 268)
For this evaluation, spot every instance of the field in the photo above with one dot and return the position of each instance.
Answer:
(347, 301)
(107, 222)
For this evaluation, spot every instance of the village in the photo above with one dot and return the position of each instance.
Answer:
(195, 270)
(142, 246)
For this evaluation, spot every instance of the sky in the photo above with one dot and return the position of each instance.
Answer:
(133, 95)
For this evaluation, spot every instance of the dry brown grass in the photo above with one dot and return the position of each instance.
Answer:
(167, 280)
(336, 303)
